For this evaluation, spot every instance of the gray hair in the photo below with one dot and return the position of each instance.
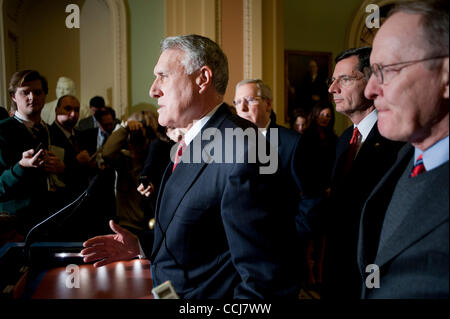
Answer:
(264, 90)
(200, 51)
(434, 20)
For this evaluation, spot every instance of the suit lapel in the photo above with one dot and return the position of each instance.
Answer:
(175, 185)
(415, 225)
(375, 208)
(341, 152)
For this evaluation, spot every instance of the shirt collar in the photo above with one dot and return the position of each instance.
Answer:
(198, 125)
(263, 130)
(435, 155)
(366, 125)
(23, 119)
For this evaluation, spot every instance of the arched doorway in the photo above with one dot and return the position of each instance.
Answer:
(34, 35)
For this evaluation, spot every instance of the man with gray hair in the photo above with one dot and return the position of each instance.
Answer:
(217, 233)
(403, 249)
(253, 102)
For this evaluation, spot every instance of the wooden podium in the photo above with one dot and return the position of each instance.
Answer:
(67, 277)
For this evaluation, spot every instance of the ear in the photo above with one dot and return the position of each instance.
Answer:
(269, 105)
(445, 78)
(204, 78)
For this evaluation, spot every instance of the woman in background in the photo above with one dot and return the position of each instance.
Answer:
(318, 145)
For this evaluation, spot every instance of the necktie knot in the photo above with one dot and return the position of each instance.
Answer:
(419, 167)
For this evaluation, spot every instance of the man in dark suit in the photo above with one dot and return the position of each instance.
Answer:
(403, 249)
(253, 102)
(95, 104)
(24, 170)
(362, 158)
(64, 136)
(217, 233)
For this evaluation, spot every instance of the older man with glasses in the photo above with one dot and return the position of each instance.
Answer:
(404, 232)
(363, 156)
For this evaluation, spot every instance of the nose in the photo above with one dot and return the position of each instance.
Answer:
(243, 106)
(155, 92)
(373, 89)
(334, 88)
(31, 96)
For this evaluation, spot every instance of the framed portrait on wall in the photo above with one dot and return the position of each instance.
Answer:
(306, 75)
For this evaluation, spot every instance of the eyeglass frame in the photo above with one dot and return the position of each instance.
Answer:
(341, 77)
(246, 98)
(368, 71)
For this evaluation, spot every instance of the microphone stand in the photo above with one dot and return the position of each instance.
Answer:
(73, 206)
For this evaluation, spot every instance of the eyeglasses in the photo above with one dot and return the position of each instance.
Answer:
(249, 99)
(385, 73)
(344, 80)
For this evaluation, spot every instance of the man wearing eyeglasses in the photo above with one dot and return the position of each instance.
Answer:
(363, 156)
(253, 102)
(404, 226)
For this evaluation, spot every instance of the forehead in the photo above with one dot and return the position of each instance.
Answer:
(170, 60)
(107, 118)
(64, 82)
(247, 89)
(70, 101)
(346, 66)
(35, 84)
(399, 38)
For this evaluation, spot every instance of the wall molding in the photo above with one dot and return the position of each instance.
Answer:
(120, 56)
(252, 39)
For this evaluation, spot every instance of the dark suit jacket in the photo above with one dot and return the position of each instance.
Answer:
(86, 123)
(414, 260)
(348, 194)
(289, 153)
(23, 191)
(217, 232)
(88, 140)
(75, 176)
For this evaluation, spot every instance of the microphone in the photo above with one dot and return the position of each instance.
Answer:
(71, 208)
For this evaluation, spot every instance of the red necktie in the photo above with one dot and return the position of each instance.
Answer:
(180, 149)
(418, 167)
(352, 149)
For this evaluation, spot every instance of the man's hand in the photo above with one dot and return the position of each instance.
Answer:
(83, 157)
(29, 159)
(52, 164)
(146, 191)
(123, 245)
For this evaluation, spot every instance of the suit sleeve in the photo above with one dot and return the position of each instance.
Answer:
(257, 236)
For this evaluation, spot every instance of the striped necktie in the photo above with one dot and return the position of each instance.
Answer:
(418, 167)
